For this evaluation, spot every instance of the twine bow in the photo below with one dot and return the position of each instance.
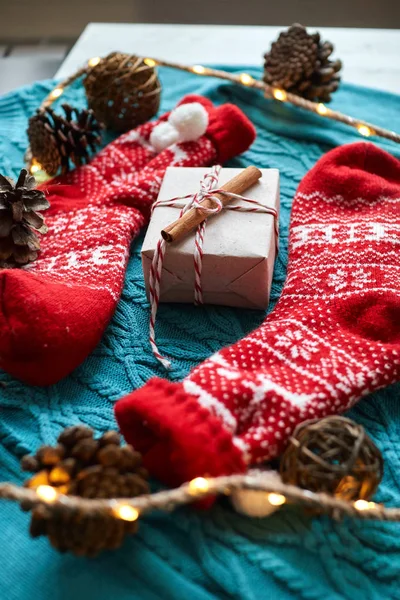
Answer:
(208, 189)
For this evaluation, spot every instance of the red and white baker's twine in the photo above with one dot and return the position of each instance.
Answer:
(208, 187)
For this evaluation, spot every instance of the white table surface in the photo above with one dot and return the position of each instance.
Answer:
(370, 56)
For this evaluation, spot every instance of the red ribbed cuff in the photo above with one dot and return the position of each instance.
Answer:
(179, 439)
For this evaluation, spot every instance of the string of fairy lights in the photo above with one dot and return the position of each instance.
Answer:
(364, 128)
(267, 483)
(245, 79)
(196, 488)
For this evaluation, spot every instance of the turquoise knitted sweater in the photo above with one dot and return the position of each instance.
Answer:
(188, 554)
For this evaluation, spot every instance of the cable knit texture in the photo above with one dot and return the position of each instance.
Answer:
(333, 337)
(196, 554)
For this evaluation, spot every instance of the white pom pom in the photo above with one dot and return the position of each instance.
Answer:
(191, 120)
(163, 136)
(252, 503)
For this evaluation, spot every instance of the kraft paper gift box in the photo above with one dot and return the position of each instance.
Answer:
(239, 247)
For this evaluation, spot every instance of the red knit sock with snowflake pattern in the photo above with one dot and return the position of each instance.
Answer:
(333, 337)
(54, 311)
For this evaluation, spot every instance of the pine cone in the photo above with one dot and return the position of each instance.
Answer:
(299, 63)
(79, 465)
(20, 219)
(58, 141)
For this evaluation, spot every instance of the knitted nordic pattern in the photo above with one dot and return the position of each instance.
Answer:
(218, 554)
(54, 312)
(333, 337)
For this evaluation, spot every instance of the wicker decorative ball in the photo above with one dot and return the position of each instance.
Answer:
(333, 455)
(123, 91)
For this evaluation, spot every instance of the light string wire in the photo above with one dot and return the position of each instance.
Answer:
(277, 493)
(365, 128)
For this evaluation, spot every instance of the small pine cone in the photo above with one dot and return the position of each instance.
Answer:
(300, 63)
(20, 220)
(82, 466)
(43, 144)
(291, 58)
(57, 141)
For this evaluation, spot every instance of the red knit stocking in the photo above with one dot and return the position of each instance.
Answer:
(333, 337)
(54, 311)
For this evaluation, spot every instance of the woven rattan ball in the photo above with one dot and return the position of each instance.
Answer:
(123, 91)
(333, 455)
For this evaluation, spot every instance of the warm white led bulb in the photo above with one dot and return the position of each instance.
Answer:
(92, 62)
(280, 95)
(150, 62)
(363, 504)
(56, 93)
(126, 512)
(199, 69)
(198, 485)
(46, 493)
(322, 109)
(364, 130)
(246, 79)
(276, 499)
(35, 167)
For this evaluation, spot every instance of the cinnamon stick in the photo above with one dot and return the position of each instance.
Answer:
(190, 220)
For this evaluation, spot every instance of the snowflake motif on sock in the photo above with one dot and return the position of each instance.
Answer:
(340, 280)
(124, 177)
(297, 344)
(337, 280)
(347, 376)
(361, 279)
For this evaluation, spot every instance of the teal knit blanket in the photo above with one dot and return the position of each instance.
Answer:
(188, 554)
